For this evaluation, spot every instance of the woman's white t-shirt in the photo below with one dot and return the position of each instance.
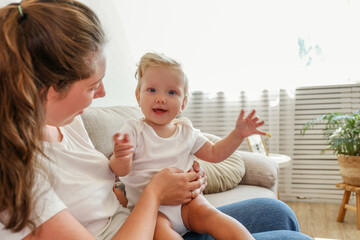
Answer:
(82, 183)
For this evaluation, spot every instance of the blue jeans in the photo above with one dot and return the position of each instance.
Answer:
(265, 219)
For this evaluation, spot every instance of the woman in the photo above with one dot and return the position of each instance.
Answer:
(54, 184)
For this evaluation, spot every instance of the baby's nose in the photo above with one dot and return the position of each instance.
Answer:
(160, 99)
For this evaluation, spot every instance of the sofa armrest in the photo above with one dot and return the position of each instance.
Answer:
(260, 170)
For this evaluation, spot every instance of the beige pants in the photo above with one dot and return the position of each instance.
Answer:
(114, 224)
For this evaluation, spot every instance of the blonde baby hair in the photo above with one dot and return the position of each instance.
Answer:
(159, 60)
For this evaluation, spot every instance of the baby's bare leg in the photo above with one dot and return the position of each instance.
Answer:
(164, 230)
(199, 216)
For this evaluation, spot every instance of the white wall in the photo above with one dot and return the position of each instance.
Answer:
(232, 46)
(119, 80)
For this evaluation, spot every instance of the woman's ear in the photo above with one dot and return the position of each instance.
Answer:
(52, 94)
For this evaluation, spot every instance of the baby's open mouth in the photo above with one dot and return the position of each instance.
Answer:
(159, 110)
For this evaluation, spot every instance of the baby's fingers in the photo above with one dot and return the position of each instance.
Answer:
(123, 153)
(258, 124)
(126, 138)
(261, 132)
(242, 113)
(116, 137)
(119, 146)
(251, 114)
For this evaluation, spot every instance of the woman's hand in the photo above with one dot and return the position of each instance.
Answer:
(172, 186)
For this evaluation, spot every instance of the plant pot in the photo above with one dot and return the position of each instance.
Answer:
(350, 169)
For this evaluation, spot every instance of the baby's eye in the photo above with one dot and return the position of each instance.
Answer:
(151, 90)
(172, 92)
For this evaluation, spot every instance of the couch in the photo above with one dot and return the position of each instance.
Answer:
(243, 175)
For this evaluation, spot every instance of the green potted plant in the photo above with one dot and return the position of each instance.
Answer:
(343, 134)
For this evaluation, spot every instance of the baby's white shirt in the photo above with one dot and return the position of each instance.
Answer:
(153, 153)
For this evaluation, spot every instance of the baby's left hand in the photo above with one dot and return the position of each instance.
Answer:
(248, 126)
(123, 148)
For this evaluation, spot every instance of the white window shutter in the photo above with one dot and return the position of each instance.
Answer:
(312, 175)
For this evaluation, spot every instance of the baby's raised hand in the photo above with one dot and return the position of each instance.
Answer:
(123, 148)
(246, 126)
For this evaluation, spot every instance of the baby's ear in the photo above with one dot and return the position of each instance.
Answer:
(137, 94)
(185, 100)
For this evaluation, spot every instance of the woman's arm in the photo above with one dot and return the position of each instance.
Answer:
(61, 226)
(119, 188)
(170, 186)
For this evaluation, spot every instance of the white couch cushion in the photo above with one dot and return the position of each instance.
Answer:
(239, 193)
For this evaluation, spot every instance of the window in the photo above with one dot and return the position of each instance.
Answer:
(241, 45)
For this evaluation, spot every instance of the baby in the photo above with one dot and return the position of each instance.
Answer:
(161, 140)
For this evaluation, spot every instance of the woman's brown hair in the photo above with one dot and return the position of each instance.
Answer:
(42, 44)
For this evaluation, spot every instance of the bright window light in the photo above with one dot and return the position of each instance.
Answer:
(241, 45)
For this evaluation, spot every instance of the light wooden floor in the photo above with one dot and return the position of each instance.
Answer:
(318, 220)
